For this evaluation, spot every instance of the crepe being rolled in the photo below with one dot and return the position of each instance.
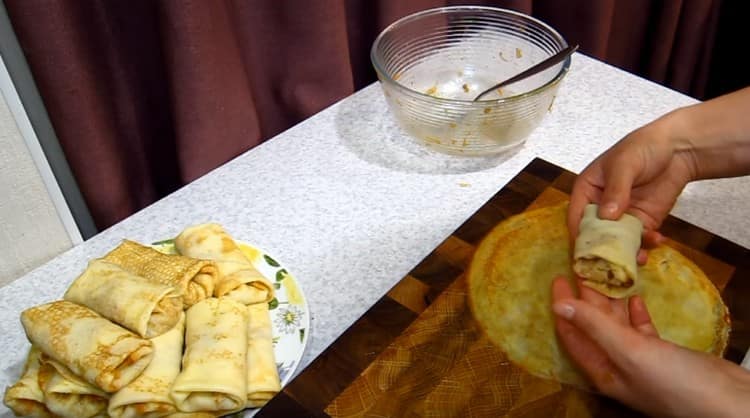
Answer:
(510, 294)
(67, 395)
(214, 366)
(144, 307)
(25, 398)
(104, 354)
(238, 279)
(148, 395)
(262, 375)
(195, 278)
(605, 253)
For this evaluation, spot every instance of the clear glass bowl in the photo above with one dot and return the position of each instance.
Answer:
(433, 63)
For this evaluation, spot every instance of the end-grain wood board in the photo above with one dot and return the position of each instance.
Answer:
(417, 352)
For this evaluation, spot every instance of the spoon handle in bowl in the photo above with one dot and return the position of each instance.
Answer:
(541, 66)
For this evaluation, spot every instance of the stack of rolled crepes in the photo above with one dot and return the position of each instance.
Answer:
(145, 334)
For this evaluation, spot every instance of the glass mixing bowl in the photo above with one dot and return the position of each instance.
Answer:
(432, 64)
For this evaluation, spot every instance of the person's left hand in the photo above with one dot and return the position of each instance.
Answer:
(615, 344)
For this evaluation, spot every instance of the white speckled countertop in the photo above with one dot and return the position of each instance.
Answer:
(349, 204)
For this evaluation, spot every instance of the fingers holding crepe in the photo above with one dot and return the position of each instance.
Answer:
(104, 354)
(238, 278)
(146, 308)
(605, 253)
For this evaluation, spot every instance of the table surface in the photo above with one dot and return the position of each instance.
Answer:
(349, 204)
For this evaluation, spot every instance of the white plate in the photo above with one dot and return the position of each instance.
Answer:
(290, 315)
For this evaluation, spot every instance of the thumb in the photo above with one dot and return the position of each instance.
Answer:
(616, 194)
(604, 330)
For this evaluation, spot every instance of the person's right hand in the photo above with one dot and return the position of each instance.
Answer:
(642, 174)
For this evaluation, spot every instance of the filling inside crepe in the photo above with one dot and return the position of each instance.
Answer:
(602, 271)
(605, 253)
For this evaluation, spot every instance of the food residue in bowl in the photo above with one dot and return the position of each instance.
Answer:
(465, 87)
(519, 54)
(431, 91)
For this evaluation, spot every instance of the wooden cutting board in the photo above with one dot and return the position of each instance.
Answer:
(418, 352)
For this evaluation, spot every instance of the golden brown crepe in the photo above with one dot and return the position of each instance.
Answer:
(104, 354)
(238, 279)
(148, 395)
(25, 398)
(214, 366)
(605, 253)
(67, 395)
(262, 375)
(144, 307)
(510, 281)
(195, 278)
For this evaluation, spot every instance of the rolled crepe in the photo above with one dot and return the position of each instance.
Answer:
(238, 279)
(25, 398)
(605, 253)
(67, 395)
(214, 370)
(144, 307)
(262, 375)
(104, 354)
(148, 395)
(195, 278)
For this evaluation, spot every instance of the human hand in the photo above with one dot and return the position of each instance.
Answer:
(642, 174)
(615, 344)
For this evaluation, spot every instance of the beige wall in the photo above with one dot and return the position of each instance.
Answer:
(31, 231)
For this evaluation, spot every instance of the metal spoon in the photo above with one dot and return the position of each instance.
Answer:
(541, 66)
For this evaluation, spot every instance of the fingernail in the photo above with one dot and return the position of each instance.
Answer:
(610, 208)
(564, 310)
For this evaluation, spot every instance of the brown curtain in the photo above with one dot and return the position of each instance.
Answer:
(146, 96)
